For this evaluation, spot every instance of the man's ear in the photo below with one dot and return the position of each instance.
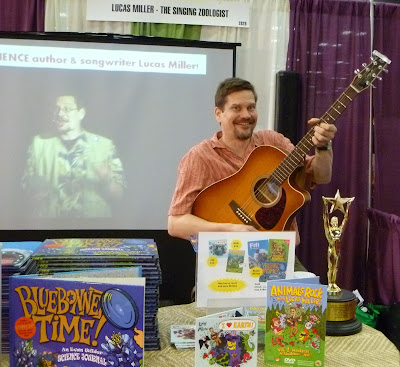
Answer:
(82, 112)
(217, 114)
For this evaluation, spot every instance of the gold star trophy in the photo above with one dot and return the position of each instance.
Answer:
(341, 310)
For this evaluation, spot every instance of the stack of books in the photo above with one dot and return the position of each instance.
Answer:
(72, 254)
(182, 336)
(15, 258)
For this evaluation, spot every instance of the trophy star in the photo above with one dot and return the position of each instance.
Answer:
(338, 202)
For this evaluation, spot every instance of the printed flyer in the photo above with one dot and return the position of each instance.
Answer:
(234, 266)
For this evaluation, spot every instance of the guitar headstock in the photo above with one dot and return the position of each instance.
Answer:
(366, 76)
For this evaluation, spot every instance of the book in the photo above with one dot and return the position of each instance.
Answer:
(79, 254)
(102, 248)
(295, 322)
(77, 319)
(233, 267)
(15, 259)
(222, 339)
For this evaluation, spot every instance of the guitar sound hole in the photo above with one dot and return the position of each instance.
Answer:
(266, 191)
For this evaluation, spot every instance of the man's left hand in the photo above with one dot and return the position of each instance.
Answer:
(323, 132)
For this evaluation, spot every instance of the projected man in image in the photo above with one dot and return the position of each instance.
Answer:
(73, 173)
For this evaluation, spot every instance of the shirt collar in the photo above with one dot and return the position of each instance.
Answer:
(215, 142)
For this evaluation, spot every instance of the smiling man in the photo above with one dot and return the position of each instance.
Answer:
(73, 173)
(227, 151)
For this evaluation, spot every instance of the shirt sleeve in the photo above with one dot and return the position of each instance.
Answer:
(192, 178)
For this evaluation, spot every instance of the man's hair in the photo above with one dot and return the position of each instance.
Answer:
(79, 101)
(229, 86)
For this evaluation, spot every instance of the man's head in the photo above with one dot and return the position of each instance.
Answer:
(235, 108)
(68, 114)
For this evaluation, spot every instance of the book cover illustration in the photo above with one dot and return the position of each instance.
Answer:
(217, 248)
(15, 255)
(235, 261)
(73, 322)
(259, 312)
(226, 341)
(15, 259)
(295, 325)
(235, 266)
(101, 247)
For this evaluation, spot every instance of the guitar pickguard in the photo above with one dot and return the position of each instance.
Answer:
(269, 217)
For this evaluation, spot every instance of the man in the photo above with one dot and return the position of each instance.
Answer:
(74, 173)
(226, 152)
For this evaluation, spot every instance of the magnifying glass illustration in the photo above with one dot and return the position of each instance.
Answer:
(119, 308)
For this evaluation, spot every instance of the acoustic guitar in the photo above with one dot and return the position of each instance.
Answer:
(263, 192)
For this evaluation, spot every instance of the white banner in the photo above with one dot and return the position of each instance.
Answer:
(216, 13)
(96, 59)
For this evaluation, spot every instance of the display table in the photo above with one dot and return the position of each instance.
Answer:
(368, 348)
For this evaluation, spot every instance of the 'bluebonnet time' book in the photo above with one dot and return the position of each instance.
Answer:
(77, 321)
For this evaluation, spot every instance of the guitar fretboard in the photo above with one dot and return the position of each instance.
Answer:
(294, 158)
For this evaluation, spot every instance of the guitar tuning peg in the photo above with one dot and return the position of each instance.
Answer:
(363, 64)
(356, 71)
(386, 70)
(378, 77)
(373, 86)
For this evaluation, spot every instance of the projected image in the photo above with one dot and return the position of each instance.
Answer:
(93, 132)
(73, 172)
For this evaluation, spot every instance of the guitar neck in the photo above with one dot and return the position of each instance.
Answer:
(296, 156)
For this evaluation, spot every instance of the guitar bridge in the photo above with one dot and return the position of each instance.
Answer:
(242, 215)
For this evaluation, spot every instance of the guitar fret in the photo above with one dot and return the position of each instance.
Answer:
(342, 103)
(330, 116)
(347, 96)
(337, 110)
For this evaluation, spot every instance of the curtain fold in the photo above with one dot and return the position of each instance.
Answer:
(262, 52)
(328, 41)
(383, 270)
(22, 15)
(387, 111)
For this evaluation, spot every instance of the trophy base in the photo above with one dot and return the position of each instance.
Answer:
(341, 317)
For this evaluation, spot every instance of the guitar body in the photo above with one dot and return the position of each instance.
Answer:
(237, 199)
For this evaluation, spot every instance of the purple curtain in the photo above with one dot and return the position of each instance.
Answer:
(387, 111)
(383, 281)
(328, 41)
(22, 15)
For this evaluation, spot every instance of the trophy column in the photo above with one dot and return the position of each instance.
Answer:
(341, 310)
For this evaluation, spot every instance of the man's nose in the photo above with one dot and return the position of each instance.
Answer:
(244, 113)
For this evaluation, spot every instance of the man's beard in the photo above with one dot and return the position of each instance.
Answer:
(244, 135)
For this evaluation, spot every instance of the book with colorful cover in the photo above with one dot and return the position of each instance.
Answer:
(77, 321)
(101, 248)
(15, 255)
(225, 340)
(295, 322)
(233, 267)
